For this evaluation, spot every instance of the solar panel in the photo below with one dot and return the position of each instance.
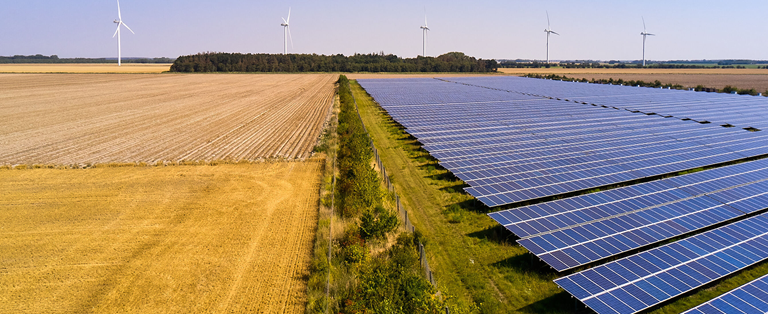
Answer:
(749, 298)
(576, 231)
(640, 281)
(511, 147)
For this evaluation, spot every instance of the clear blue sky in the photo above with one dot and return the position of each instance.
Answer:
(598, 29)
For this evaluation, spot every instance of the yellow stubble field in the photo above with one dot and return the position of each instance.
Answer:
(227, 238)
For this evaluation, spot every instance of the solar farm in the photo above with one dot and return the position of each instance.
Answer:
(636, 196)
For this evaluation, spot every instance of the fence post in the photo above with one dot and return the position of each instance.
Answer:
(431, 280)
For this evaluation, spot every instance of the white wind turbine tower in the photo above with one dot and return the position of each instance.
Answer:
(549, 31)
(645, 33)
(424, 30)
(287, 33)
(119, 23)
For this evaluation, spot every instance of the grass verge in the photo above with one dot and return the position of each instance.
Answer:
(320, 266)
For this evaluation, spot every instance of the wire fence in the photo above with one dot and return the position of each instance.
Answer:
(407, 223)
(330, 236)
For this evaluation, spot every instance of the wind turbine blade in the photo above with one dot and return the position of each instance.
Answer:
(284, 22)
(553, 32)
(547, 19)
(119, 17)
(643, 23)
(651, 34)
(289, 36)
(289, 17)
(117, 30)
(126, 26)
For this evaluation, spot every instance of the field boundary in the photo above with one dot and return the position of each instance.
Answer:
(150, 165)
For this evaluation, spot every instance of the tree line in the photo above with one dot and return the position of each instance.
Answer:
(238, 62)
(38, 58)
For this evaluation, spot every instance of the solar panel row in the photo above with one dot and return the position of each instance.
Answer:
(519, 183)
(635, 283)
(751, 298)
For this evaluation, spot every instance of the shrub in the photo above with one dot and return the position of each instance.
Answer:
(750, 91)
(377, 223)
(353, 247)
(729, 89)
(394, 284)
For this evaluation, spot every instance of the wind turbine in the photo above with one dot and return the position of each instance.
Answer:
(424, 30)
(549, 31)
(119, 23)
(645, 33)
(287, 33)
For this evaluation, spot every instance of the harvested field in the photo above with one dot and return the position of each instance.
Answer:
(98, 118)
(84, 68)
(712, 78)
(229, 238)
(744, 81)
